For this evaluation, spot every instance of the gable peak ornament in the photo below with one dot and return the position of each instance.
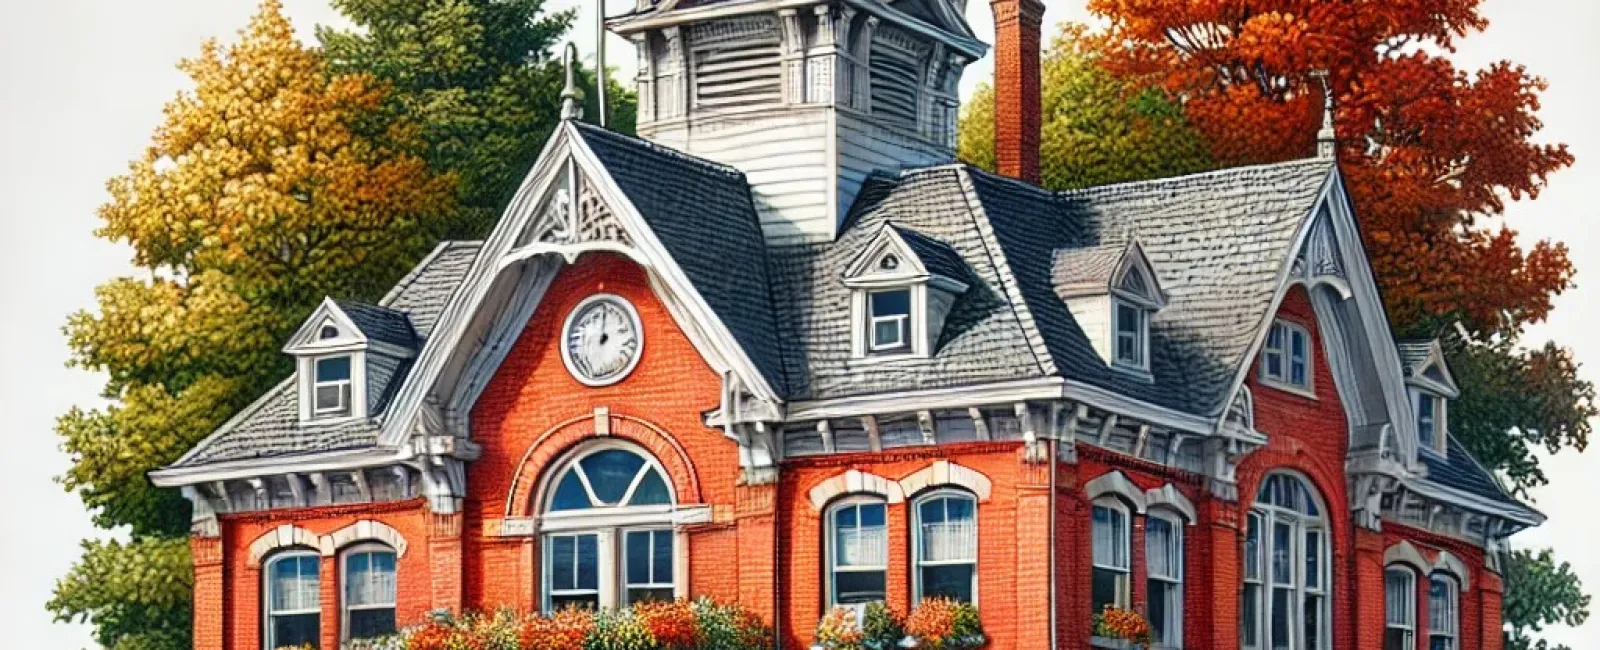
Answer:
(571, 108)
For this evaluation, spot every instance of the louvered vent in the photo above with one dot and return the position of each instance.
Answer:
(737, 62)
(897, 62)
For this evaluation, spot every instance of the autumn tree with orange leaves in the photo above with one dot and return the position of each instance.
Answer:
(1431, 154)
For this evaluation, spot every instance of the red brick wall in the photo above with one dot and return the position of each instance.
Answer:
(1479, 604)
(241, 607)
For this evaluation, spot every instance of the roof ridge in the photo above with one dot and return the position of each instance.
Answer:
(710, 165)
(1093, 189)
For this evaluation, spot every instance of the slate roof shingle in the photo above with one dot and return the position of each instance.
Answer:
(381, 324)
(1457, 469)
(1085, 271)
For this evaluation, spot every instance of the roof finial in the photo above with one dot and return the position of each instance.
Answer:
(571, 108)
(1327, 140)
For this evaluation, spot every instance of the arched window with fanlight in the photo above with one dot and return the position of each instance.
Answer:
(607, 530)
(1286, 574)
(293, 599)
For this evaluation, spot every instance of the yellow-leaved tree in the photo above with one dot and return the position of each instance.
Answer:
(274, 182)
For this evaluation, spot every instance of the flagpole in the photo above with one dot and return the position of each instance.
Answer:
(600, 59)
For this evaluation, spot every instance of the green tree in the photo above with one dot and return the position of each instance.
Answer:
(274, 182)
(1540, 593)
(482, 78)
(1097, 128)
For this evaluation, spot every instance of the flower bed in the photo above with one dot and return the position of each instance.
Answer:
(1120, 628)
(934, 624)
(677, 625)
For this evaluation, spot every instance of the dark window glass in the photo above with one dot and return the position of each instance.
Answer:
(661, 562)
(588, 562)
(1250, 615)
(610, 473)
(950, 581)
(570, 494)
(1158, 591)
(1104, 588)
(334, 369)
(652, 491)
(296, 630)
(638, 558)
(856, 587)
(563, 563)
(368, 623)
(1395, 640)
(891, 303)
(1280, 617)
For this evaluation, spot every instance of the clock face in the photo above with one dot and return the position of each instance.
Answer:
(602, 340)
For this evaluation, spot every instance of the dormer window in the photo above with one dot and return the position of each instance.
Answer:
(1286, 358)
(1132, 333)
(889, 313)
(1430, 409)
(331, 389)
(902, 287)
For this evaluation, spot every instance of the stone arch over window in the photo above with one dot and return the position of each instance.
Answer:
(1448, 564)
(1116, 485)
(1404, 553)
(282, 537)
(855, 482)
(944, 473)
(1170, 498)
(528, 490)
(365, 530)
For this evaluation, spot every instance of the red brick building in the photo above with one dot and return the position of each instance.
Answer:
(782, 351)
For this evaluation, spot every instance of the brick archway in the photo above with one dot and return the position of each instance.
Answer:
(528, 483)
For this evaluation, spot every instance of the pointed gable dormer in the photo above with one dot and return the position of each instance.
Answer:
(806, 100)
(1431, 387)
(903, 285)
(1112, 291)
(341, 350)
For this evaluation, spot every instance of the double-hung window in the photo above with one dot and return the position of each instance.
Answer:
(858, 552)
(608, 532)
(1131, 332)
(1444, 616)
(1428, 420)
(1286, 358)
(1250, 596)
(947, 546)
(889, 321)
(1110, 575)
(647, 565)
(1400, 609)
(369, 592)
(1163, 547)
(1286, 595)
(331, 391)
(294, 600)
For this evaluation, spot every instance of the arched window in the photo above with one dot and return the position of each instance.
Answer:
(293, 600)
(1163, 550)
(946, 546)
(1444, 613)
(1400, 609)
(607, 528)
(1285, 597)
(369, 591)
(858, 551)
(1109, 580)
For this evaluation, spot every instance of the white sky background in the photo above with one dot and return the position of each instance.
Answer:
(82, 83)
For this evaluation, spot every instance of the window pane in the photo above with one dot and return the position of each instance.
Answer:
(1397, 596)
(1250, 616)
(1275, 337)
(887, 303)
(563, 564)
(370, 579)
(1297, 373)
(610, 473)
(948, 530)
(1127, 319)
(333, 369)
(579, 601)
(860, 537)
(638, 559)
(1397, 640)
(931, 511)
(367, 623)
(872, 515)
(1313, 559)
(295, 584)
(588, 562)
(887, 332)
(1252, 548)
(1313, 622)
(1282, 560)
(297, 630)
(1106, 588)
(1161, 547)
(652, 491)
(1441, 643)
(1441, 606)
(1158, 594)
(1274, 364)
(570, 494)
(855, 587)
(1280, 617)
(950, 581)
(661, 557)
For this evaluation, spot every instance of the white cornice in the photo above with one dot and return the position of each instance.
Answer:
(255, 467)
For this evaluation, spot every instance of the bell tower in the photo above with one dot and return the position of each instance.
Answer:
(806, 99)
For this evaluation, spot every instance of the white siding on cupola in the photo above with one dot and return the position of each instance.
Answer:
(807, 101)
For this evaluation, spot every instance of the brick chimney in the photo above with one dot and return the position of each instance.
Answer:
(1017, 49)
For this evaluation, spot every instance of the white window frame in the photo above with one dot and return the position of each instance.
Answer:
(345, 582)
(830, 529)
(1173, 626)
(1140, 335)
(547, 587)
(1284, 353)
(268, 613)
(1124, 596)
(346, 386)
(609, 525)
(916, 541)
(1451, 632)
(1253, 570)
(903, 321)
(623, 585)
(1408, 626)
(1436, 422)
(1302, 527)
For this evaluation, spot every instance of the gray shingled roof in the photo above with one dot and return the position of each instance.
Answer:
(381, 324)
(703, 214)
(936, 256)
(271, 426)
(1218, 242)
(1085, 271)
(1457, 469)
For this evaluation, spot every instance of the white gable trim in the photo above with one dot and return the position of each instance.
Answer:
(1134, 260)
(1333, 204)
(306, 339)
(1448, 388)
(499, 253)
